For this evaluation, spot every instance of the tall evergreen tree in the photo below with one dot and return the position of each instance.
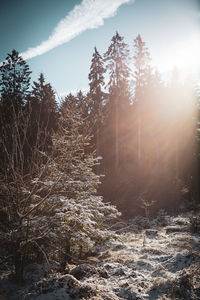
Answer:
(68, 102)
(82, 104)
(14, 82)
(142, 69)
(44, 114)
(117, 58)
(45, 96)
(14, 89)
(79, 103)
(142, 76)
(198, 145)
(96, 95)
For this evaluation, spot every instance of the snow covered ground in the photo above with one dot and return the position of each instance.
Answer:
(149, 260)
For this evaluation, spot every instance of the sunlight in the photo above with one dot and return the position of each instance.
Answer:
(182, 101)
(184, 55)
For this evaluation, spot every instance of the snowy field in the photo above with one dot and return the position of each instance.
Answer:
(148, 260)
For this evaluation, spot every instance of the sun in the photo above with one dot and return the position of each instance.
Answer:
(184, 55)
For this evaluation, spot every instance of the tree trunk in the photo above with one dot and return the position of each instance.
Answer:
(139, 134)
(117, 133)
(98, 144)
(177, 161)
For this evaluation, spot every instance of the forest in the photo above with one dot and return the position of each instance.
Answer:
(72, 169)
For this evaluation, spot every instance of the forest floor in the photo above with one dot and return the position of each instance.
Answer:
(158, 259)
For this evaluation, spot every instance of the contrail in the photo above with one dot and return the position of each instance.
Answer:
(89, 14)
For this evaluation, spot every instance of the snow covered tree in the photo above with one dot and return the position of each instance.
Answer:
(55, 212)
(83, 213)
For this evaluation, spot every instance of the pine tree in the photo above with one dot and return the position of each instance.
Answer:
(68, 102)
(14, 82)
(190, 142)
(142, 69)
(96, 95)
(44, 114)
(117, 57)
(197, 179)
(14, 88)
(82, 104)
(45, 96)
(55, 212)
(86, 215)
(78, 103)
(142, 77)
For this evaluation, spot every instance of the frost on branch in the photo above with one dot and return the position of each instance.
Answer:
(55, 213)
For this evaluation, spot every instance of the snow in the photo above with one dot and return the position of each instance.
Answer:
(142, 263)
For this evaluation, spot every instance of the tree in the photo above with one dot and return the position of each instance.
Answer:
(14, 88)
(14, 82)
(54, 212)
(198, 146)
(86, 215)
(184, 110)
(142, 76)
(48, 111)
(68, 102)
(142, 69)
(117, 62)
(96, 95)
(43, 114)
(117, 57)
(82, 104)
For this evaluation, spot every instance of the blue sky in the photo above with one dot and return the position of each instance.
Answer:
(57, 37)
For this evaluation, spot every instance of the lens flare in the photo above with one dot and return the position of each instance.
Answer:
(184, 55)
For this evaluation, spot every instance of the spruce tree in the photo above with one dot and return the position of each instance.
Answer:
(55, 212)
(14, 89)
(48, 111)
(44, 114)
(142, 76)
(142, 69)
(96, 95)
(14, 82)
(82, 104)
(68, 102)
(117, 58)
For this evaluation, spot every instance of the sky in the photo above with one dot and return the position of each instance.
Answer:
(57, 37)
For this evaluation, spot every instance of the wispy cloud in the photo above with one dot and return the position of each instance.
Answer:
(89, 14)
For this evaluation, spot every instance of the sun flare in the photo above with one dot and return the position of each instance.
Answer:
(183, 55)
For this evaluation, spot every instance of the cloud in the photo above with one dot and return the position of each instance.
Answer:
(89, 14)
